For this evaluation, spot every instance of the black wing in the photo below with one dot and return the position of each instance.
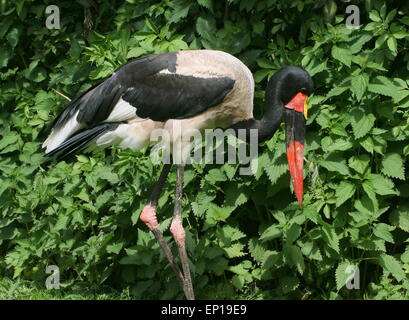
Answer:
(172, 96)
(155, 95)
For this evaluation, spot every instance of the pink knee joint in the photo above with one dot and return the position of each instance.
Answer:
(177, 231)
(148, 217)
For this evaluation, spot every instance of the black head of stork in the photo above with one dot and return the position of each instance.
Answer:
(286, 97)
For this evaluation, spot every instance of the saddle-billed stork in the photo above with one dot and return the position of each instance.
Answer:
(192, 89)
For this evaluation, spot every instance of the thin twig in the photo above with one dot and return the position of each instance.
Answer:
(62, 95)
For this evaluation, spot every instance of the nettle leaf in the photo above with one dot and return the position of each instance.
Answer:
(271, 259)
(181, 9)
(257, 250)
(336, 163)
(206, 27)
(343, 273)
(231, 233)
(359, 163)
(339, 145)
(206, 3)
(392, 166)
(276, 169)
(370, 191)
(215, 213)
(367, 143)
(383, 231)
(294, 257)
(344, 191)
(341, 54)
(235, 250)
(365, 206)
(361, 121)
(370, 244)
(383, 185)
(359, 85)
(115, 247)
(332, 239)
(336, 91)
(400, 217)
(201, 204)
(292, 233)
(392, 265)
(288, 284)
(311, 251)
(387, 87)
(215, 175)
(272, 232)
(236, 195)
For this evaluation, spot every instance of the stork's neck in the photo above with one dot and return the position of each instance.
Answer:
(273, 113)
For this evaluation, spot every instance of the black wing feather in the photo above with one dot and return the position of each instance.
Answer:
(157, 96)
(80, 141)
(172, 96)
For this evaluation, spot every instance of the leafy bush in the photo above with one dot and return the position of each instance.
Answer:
(247, 237)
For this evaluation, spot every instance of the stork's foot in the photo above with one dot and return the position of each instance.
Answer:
(178, 232)
(148, 217)
(179, 235)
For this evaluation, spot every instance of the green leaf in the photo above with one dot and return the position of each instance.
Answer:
(272, 232)
(234, 251)
(342, 55)
(216, 213)
(8, 233)
(215, 175)
(236, 195)
(382, 185)
(400, 217)
(206, 27)
(256, 249)
(294, 257)
(392, 166)
(374, 16)
(293, 233)
(259, 75)
(361, 121)
(331, 237)
(5, 55)
(392, 44)
(288, 284)
(115, 247)
(13, 36)
(344, 192)
(181, 10)
(343, 273)
(276, 169)
(359, 85)
(311, 251)
(206, 3)
(383, 231)
(392, 265)
(335, 163)
(359, 163)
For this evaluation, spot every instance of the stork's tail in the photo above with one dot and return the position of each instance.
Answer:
(81, 140)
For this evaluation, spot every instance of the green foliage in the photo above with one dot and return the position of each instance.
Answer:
(247, 237)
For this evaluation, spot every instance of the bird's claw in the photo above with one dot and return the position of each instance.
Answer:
(177, 230)
(148, 217)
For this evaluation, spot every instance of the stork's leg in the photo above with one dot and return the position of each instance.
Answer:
(148, 216)
(178, 232)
